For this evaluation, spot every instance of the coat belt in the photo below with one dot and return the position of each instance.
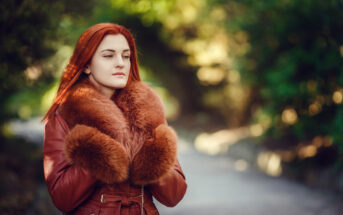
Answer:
(123, 199)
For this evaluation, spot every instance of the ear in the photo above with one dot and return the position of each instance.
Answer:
(87, 69)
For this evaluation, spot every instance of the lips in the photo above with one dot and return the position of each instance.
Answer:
(118, 73)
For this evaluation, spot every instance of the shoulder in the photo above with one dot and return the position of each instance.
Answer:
(56, 122)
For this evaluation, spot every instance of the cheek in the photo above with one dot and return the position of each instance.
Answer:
(99, 66)
(128, 66)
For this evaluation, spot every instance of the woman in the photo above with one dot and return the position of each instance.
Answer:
(107, 146)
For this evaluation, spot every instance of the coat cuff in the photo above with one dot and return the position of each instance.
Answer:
(102, 156)
(156, 157)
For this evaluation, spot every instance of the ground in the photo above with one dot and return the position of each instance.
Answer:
(215, 187)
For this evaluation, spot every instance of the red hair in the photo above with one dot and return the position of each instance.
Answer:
(83, 53)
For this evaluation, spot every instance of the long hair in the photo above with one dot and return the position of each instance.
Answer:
(83, 53)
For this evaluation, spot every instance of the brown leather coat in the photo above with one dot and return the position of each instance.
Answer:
(110, 156)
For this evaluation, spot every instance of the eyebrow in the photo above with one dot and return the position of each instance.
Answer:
(111, 50)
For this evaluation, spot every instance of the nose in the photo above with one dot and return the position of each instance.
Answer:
(119, 61)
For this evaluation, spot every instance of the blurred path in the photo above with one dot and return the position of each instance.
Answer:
(216, 188)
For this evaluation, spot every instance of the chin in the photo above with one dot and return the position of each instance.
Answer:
(119, 85)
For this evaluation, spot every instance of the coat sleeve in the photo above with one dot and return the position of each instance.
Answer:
(68, 185)
(170, 189)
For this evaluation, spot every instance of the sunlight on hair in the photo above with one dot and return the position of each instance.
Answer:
(270, 163)
(289, 116)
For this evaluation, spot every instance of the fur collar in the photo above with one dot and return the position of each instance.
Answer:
(129, 116)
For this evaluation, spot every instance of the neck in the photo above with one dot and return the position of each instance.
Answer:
(108, 92)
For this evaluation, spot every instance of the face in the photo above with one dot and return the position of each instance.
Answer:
(110, 65)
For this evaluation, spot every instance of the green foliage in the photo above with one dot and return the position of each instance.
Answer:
(287, 52)
(29, 35)
(296, 53)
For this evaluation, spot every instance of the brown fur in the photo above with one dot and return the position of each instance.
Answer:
(142, 106)
(161, 150)
(85, 105)
(103, 156)
(132, 120)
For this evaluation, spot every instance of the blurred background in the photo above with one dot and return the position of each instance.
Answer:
(257, 82)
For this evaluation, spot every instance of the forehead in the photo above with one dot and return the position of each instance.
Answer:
(116, 42)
